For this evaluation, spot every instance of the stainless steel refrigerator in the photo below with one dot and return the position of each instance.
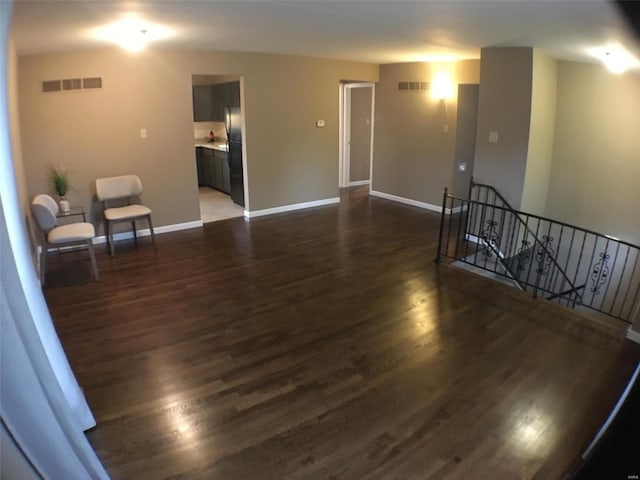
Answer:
(233, 125)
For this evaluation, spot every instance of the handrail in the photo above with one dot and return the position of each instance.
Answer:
(489, 187)
(550, 254)
(558, 222)
(573, 266)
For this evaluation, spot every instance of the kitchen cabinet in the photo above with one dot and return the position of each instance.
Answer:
(213, 169)
(209, 101)
(202, 103)
(200, 166)
(208, 169)
(223, 182)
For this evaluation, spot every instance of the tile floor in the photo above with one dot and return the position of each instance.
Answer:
(215, 205)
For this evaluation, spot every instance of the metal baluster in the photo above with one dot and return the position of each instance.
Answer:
(566, 265)
(611, 275)
(624, 270)
(444, 207)
(635, 266)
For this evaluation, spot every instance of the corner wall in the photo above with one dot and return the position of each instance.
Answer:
(413, 157)
(541, 133)
(596, 153)
(504, 107)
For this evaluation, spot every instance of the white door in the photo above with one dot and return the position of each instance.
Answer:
(357, 109)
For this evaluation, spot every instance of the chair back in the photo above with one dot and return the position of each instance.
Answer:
(44, 210)
(112, 188)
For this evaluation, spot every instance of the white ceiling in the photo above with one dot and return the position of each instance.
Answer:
(378, 31)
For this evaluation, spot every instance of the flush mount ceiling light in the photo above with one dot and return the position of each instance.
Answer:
(615, 58)
(132, 34)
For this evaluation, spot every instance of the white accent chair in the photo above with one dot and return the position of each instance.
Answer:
(44, 210)
(121, 189)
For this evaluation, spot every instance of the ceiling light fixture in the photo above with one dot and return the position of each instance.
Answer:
(615, 58)
(131, 33)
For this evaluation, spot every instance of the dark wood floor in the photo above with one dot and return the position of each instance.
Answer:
(322, 344)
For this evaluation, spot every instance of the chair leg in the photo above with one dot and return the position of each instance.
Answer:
(92, 254)
(153, 236)
(110, 238)
(106, 234)
(135, 234)
(43, 263)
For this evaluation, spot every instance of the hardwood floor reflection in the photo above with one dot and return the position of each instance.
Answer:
(323, 344)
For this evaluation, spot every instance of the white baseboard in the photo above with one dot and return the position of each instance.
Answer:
(408, 201)
(633, 335)
(356, 183)
(144, 232)
(289, 208)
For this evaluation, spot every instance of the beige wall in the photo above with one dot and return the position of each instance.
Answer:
(541, 133)
(465, 138)
(97, 133)
(14, 122)
(360, 130)
(504, 107)
(413, 157)
(596, 165)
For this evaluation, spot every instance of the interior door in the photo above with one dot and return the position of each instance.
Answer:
(360, 135)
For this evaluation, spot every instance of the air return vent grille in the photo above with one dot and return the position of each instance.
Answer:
(69, 84)
(414, 87)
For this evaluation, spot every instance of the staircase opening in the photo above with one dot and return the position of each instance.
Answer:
(573, 266)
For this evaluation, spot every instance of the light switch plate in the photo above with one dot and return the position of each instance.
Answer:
(493, 137)
(320, 123)
(143, 133)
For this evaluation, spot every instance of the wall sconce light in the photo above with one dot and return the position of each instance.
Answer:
(442, 87)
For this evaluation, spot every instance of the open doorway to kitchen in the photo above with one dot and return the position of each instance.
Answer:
(218, 139)
(357, 102)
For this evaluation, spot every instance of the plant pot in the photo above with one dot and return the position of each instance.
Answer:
(64, 205)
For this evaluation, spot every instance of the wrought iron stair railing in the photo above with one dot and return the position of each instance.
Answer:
(570, 265)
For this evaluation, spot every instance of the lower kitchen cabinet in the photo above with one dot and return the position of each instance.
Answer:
(213, 169)
(222, 172)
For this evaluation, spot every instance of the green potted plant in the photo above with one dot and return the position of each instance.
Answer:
(59, 182)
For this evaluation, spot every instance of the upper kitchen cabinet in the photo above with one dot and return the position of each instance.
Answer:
(209, 101)
(224, 95)
(202, 103)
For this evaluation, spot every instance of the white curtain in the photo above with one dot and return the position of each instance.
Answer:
(41, 404)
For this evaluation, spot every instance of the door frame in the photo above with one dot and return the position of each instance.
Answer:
(344, 163)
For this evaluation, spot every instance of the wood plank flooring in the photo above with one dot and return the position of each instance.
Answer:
(325, 343)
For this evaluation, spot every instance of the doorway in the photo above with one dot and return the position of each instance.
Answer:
(220, 170)
(357, 107)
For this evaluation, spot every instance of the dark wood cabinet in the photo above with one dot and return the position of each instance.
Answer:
(200, 166)
(223, 182)
(209, 101)
(213, 169)
(202, 103)
(218, 102)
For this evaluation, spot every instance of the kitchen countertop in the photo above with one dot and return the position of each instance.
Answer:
(220, 146)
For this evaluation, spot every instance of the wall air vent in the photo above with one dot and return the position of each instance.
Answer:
(94, 82)
(70, 84)
(51, 86)
(414, 87)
